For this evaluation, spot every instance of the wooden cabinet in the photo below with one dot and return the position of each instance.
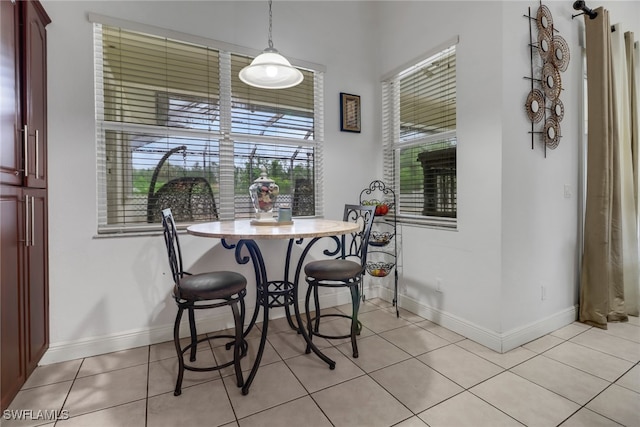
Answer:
(34, 92)
(13, 360)
(24, 303)
(10, 120)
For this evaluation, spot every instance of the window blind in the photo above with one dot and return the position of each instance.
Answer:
(177, 128)
(419, 131)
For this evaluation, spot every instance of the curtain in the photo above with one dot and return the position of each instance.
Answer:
(610, 279)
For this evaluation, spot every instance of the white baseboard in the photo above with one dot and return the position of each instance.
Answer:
(500, 342)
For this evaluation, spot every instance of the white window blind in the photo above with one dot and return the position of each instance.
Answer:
(177, 128)
(419, 131)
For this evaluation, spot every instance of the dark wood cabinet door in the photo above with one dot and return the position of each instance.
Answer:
(36, 277)
(13, 365)
(11, 142)
(34, 101)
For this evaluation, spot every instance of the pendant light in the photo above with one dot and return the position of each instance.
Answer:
(270, 70)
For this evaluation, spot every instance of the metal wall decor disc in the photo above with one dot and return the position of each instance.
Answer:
(551, 82)
(545, 46)
(535, 105)
(557, 109)
(560, 53)
(551, 133)
(544, 19)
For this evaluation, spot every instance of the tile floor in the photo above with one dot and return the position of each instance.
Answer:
(411, 372)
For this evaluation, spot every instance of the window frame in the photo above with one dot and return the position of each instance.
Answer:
(393, 143)
(224, 135)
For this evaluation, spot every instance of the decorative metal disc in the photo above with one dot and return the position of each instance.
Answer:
(557, 110)
(560, 53)
(535, 105)
(544, 19)
(551, 133)
(545, 46)
(551, 82)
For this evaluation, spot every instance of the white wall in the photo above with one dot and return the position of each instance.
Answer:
(110, 293)
(516, 230)
(468, 261)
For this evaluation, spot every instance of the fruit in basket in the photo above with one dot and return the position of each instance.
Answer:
(382, 208)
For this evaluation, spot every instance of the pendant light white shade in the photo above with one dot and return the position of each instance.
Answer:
(270, 70)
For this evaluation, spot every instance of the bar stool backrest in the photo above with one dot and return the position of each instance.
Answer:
(355, 245)
(173, 245)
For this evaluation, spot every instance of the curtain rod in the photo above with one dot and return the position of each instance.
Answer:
(581, 5)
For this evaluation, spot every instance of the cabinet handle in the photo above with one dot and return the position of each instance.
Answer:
(27, 221)
(33, 221)
(25, 139)
(37, 154)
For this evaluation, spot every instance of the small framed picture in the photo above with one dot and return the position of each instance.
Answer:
(349, 112)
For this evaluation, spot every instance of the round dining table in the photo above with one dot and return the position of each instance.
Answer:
(243, 236)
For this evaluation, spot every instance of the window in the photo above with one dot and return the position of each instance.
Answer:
(177, 128)
(419, 133)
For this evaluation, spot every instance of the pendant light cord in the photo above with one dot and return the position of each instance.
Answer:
(270, 26)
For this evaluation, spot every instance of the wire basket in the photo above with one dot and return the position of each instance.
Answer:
(379, 269)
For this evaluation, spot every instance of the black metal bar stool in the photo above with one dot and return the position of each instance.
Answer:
(199, 292)
(346, 270)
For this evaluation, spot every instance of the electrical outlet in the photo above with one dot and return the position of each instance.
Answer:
(567, 191)
(438, 284)
(543, 293)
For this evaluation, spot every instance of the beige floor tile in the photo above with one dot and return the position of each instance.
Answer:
(269, 355)
(601, 365)
(543, 344)
(273, 385)
(292, 344)
(634, 320)
(416, 385)
(339, 327)
(631, 379)
(374, 353)
(200, 405)
(379, 302)
(600, 340)
(360, 402)
(506, 360)
(440, 331)
(380, 321)
(405, 314)
(46, 398)
(414, 340)
(130, 414)
(562, 379)
(112, 361)
(525, 401)
(464, 410)
(625, 330)
(412, 422)
(460, 365)
(167, 349)
(346, 309)
(619, 404)
(164, 373)
(315, 374)
(54, 373)
(299, 412)
(105, 390)
(587, 418)
(571, 330)
(278, 325)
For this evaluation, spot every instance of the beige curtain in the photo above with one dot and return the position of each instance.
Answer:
(610, 264)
